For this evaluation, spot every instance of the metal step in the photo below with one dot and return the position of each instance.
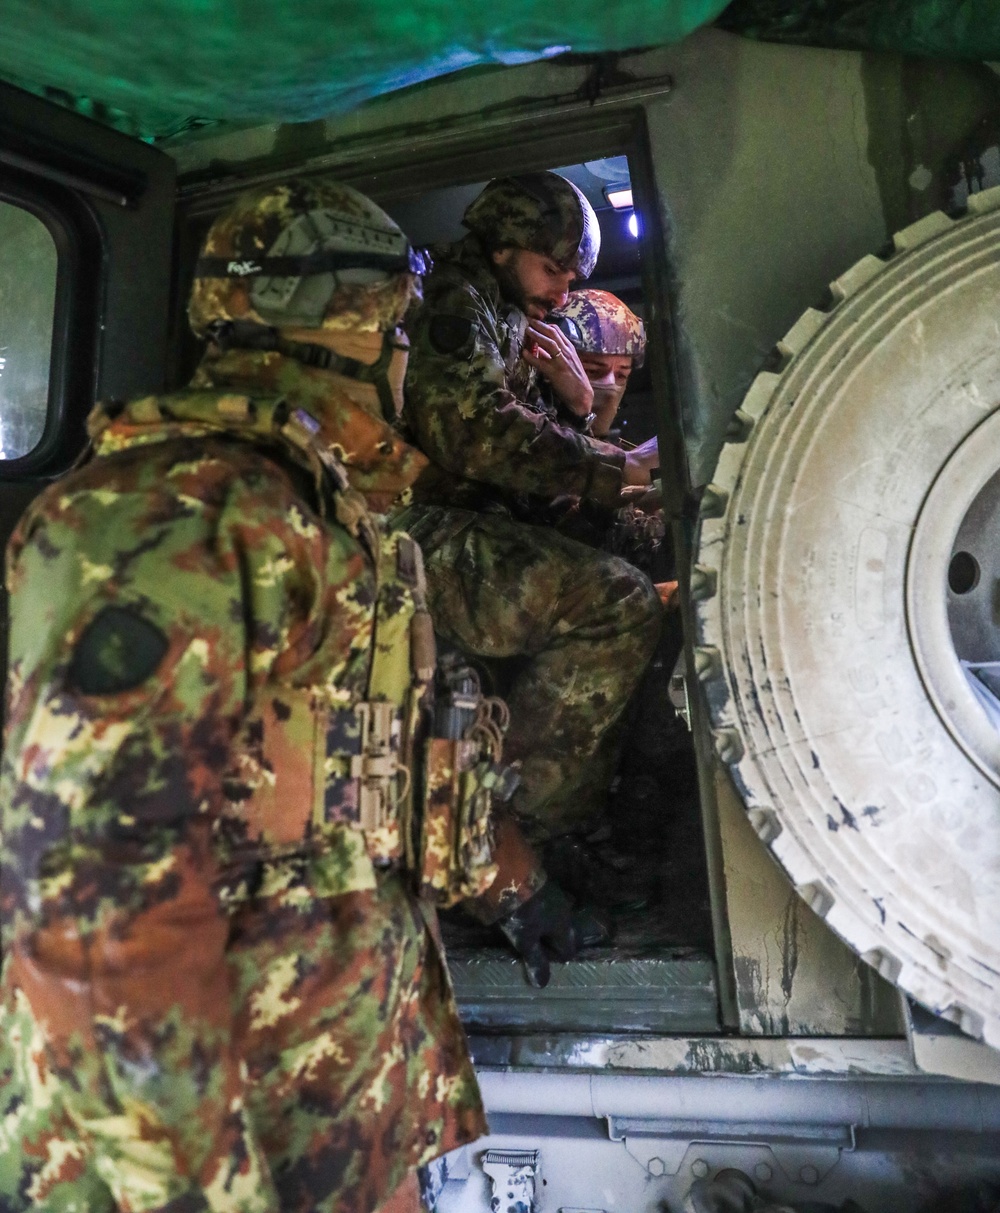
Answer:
(670, 991)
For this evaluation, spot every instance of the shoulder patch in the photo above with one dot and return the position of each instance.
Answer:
(451, 334)
(118, 651)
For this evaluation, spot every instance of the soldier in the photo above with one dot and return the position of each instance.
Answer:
(219, 992)
(503, 583)
(611, 343)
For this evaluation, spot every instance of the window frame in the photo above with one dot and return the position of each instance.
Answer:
(75, 320)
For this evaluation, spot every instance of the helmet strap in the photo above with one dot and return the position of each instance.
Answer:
(248, 335)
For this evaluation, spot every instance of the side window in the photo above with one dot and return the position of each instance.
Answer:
(28, 268)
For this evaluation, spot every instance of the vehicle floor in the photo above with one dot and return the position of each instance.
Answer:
(644, 872)
(650, 882)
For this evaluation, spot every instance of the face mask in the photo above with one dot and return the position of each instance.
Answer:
(606, 402)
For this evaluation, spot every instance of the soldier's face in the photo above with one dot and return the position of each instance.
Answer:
(537, 284)
(609, 374)
(607, 370)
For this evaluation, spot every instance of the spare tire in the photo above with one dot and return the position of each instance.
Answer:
(848, 563)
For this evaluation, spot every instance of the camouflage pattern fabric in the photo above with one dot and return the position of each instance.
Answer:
(472, 406)
(380, 464)
(628, 532)
(587, 623)
(262, 221)
(637, 537)
(455, 845)
(186, 1024)
(498, 587)
(606, 324)
(541, 212)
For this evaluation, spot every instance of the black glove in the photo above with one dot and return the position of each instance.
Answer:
(541, 925)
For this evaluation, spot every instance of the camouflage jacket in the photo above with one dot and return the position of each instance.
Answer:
(186, 1022)
(380, 464)
(472, 407)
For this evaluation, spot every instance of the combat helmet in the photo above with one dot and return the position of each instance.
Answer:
(605, 324)
(308, 253)
(541, 212)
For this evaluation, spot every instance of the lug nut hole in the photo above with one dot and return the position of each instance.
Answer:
(963, 573)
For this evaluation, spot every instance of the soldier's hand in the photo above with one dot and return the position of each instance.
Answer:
(541, 926)
(554, 356)
(639, 463)
(647, 499)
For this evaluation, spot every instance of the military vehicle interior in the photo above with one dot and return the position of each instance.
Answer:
(755, 994)
(763, 167)
(644, 869)
(124, 220)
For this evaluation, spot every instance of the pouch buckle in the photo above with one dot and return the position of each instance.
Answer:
(377, 765)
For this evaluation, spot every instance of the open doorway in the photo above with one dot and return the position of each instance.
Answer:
(644, 868)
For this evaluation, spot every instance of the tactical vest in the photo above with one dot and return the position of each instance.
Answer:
(323, 782)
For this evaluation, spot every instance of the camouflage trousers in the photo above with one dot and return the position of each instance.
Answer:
(585, 625)
(370, 1080)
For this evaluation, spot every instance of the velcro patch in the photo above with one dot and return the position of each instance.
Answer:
(118, 651)
(451, 334)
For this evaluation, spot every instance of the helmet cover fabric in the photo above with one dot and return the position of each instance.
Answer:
(541, 212)
(296, 218)
(606, 324)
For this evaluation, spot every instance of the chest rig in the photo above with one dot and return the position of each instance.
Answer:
(326, 783)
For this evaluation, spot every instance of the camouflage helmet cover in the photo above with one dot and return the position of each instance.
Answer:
(296, 219)
(541, 212)
(607, 326)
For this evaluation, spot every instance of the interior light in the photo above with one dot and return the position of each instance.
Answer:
(620, 196)
(633, 226)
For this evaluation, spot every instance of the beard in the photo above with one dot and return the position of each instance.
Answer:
(513, 292)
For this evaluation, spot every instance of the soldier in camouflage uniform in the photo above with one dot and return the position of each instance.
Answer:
(218, 990)
(611, 341)
(503, 583)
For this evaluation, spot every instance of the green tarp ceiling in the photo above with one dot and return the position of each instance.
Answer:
(158, 67)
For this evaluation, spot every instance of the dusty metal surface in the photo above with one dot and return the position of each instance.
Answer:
(829, 1056)
(794, 976)
(670, 992)
(938, 1047)
(638, 1144)
(852, 776)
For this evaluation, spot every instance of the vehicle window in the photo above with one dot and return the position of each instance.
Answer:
(28, 265)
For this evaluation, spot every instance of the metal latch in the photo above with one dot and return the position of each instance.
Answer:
(515, 1176)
